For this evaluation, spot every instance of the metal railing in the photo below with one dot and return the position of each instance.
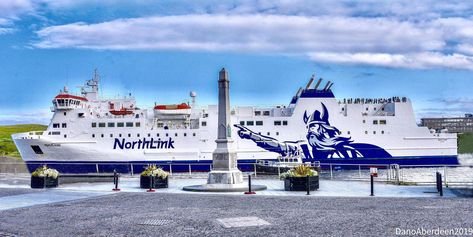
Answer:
(398, 174)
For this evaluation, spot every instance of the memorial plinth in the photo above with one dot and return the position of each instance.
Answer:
(225, 175)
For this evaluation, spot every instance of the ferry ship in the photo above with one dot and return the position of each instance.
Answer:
(89, 133)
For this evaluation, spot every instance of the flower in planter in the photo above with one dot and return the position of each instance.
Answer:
(299, 171)
(44, 171)
(153, 170)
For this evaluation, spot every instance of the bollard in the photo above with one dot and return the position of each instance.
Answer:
(439, 183)
(308, 185)
(115, 180)
(151, 184)
(249, 185)
(372, 185)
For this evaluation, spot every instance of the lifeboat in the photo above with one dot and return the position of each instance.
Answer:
(122, 111)
(169, 110)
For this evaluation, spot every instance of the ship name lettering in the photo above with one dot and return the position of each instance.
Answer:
(143, 144)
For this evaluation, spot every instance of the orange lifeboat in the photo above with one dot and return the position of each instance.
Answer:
(122, 111)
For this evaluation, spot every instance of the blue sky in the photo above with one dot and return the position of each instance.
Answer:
(161, 50)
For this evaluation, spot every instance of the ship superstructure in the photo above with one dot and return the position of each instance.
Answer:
(87, 129)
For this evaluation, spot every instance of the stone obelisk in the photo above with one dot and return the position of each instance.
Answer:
(225, 175)
(225, 169)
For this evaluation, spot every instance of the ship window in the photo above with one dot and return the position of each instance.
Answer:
(129, 134)
(129, 124)
(119, 135)
(94, 125)
(137, 124)
(157, 135)
(80, 115)
(259, 123)
(167, 135)
(175, 134)
(382, 122)
(55, 125)
(111, 135)
(120, 125)
(366, 132)
(204, 123)
(348, 132)
(269, 134)
(277, 123)
(137, 135)
(101, 135)
(284, 123)
(111, 125)
(55, 133)
(64, 125)
(266, 113)
(185, 134)
(375, 121)
(149, 134)
(193, 134)
(137, 116)
(65, 113)
(250, 123)
(277, 133)
(242, 123)
(93, 135)
(364, 121)
(67, 102)
(374, 132)
(205, 115)
(343, 109)
(257, 113)
(382, 132)
(60, 102)
(37, 149)
(101, 125)
(366, 108)
(65, 136)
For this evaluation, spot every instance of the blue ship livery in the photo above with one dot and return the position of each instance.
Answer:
(323, 141)
(143, 144)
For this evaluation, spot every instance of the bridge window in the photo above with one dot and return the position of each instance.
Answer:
(64, 125)
(284, 122)
(250, 123)
(120, 125)
(111, 125)
(259, 123)
(37, 149)
(101, 125)
(277, 123)
(55, 125)
(242, 123)
(129, 124)
(383, 122)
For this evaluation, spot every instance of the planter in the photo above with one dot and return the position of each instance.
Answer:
(43, 182)
(158, 182)
(300, 183)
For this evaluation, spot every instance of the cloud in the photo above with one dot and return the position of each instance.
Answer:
(9, 12)
(376, 41)
(23, 117)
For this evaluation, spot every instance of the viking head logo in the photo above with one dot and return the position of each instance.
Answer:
(321, 135)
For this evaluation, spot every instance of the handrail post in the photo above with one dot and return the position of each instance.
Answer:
(359, 170)
(97, 168)
(254, 168)
(331, 174)
(190, 170)
(131, 166)
(445, 174)
(170, 168)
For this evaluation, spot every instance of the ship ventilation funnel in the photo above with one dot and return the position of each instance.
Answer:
(318, 83)
(310, 82)
(326, 85)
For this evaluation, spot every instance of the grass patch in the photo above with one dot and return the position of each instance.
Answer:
(7, 147)
(465, 143)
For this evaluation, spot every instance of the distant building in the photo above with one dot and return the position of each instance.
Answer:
(453, 125)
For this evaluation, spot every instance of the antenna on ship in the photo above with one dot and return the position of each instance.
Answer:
(318, 83)
(310, 82)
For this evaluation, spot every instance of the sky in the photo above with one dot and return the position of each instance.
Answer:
(161, 50)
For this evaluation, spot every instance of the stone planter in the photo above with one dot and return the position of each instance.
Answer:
(43, 182)
(300, 183)
(158, 182)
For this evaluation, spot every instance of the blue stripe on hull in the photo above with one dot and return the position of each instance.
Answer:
(243, 165)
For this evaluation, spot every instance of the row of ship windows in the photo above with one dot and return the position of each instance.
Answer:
(260, 123)
(376, 122)
(119, 124)
(149, 135)
(366, 132)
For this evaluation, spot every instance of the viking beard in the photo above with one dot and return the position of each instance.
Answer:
(326, 138)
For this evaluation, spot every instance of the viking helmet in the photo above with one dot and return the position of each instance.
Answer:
(317, 117)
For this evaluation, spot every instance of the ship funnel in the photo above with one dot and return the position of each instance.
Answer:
(331, 84)
(326, 85)
(318, 83)
(310, 82)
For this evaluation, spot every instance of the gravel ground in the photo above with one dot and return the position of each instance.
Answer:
(195, 215)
